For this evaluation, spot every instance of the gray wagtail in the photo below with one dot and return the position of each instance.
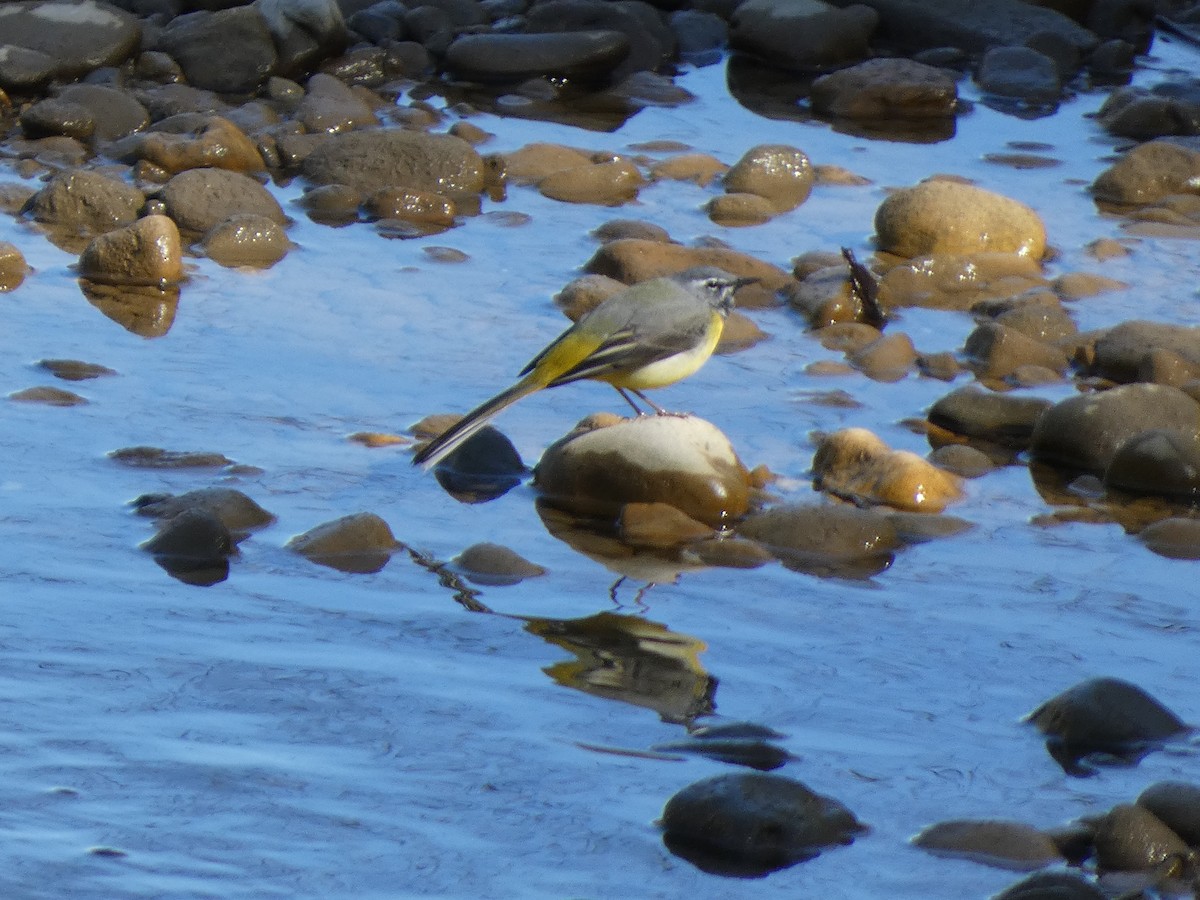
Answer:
(647, 336)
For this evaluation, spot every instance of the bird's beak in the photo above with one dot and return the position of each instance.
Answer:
(740, 283)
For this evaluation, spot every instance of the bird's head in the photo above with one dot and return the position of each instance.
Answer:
(715, 285)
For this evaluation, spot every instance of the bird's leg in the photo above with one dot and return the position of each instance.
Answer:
(655, 407)
(637, 409)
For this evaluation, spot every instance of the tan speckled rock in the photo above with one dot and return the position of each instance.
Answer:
(246, 239)
(608, 183)
(147, 252)
(740, 210)
(13, 267)
(781, 174)
(939, 217)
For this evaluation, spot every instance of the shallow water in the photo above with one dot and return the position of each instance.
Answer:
(296, 731)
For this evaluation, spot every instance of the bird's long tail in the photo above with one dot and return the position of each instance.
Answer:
(450, 439)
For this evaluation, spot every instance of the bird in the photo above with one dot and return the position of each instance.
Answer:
(650, 335)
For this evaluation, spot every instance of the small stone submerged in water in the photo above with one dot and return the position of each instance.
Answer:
(751, 824)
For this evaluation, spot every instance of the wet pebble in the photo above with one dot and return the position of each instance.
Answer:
(64, 41)
(361, 543)
(1019, 72)
(631, 260)
(86, 203)
(48, 396)
(617, 229)
(682, 461)
(947, 217)
(1085, 431)
(330, 106)
(74, 369)
(829, 540)
(235, 510)
(1173, 538)
(495, 565)
(699, 168)
(997, 351)
(1131, 838)
(1078, 285)
(753, 823)
(961, 460)
(194, 546)
(1177, 805)
(229, 50)
(888, 358)
(331, 204)
(609, 183)
(55, 116)
(857, 465)
(1148, 173)
(650, 42)
(534, 162)
(148, 252)
(499, 57)
(1165, 463)
(1052, 886)
(1123, 351)
(13, 267)
(1105, 716)
(955, 281)
(374, 159)
(1144, 113)
(246, 239)
(192, 142)
(113, 112)
(780, 174)
(411, 206)
(1006, 844)
(144, 457)
(200, 199)
(886, 89)
(803, 36)
(739, 210)
(972, 412)
(1038, 314)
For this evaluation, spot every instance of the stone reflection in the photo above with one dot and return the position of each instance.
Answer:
(147, 311)
(632, 660)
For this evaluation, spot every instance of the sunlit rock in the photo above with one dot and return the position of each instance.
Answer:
(13, 267)
(886, 89)
(113, 112)
(199, 199)
(411, 206)
(246, 239)
(534, 162)
(964, 461)
(211, 142)
(699, 168)
(780, 174)
(947, 217)
(55, 116)
(361, 543)
(1173, 538)
(855, 464)
(1104, 718)
(607, 183)
(1010, 845)
(1130, 838)
(144, 253)
(74, 369)
(1038, 314)
(679, 460)
(1085, 431)
(753, 823)
(495, 565)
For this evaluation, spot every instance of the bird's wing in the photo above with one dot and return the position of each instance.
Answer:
(629, 349)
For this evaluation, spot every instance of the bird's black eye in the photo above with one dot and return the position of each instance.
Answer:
(714, 284)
